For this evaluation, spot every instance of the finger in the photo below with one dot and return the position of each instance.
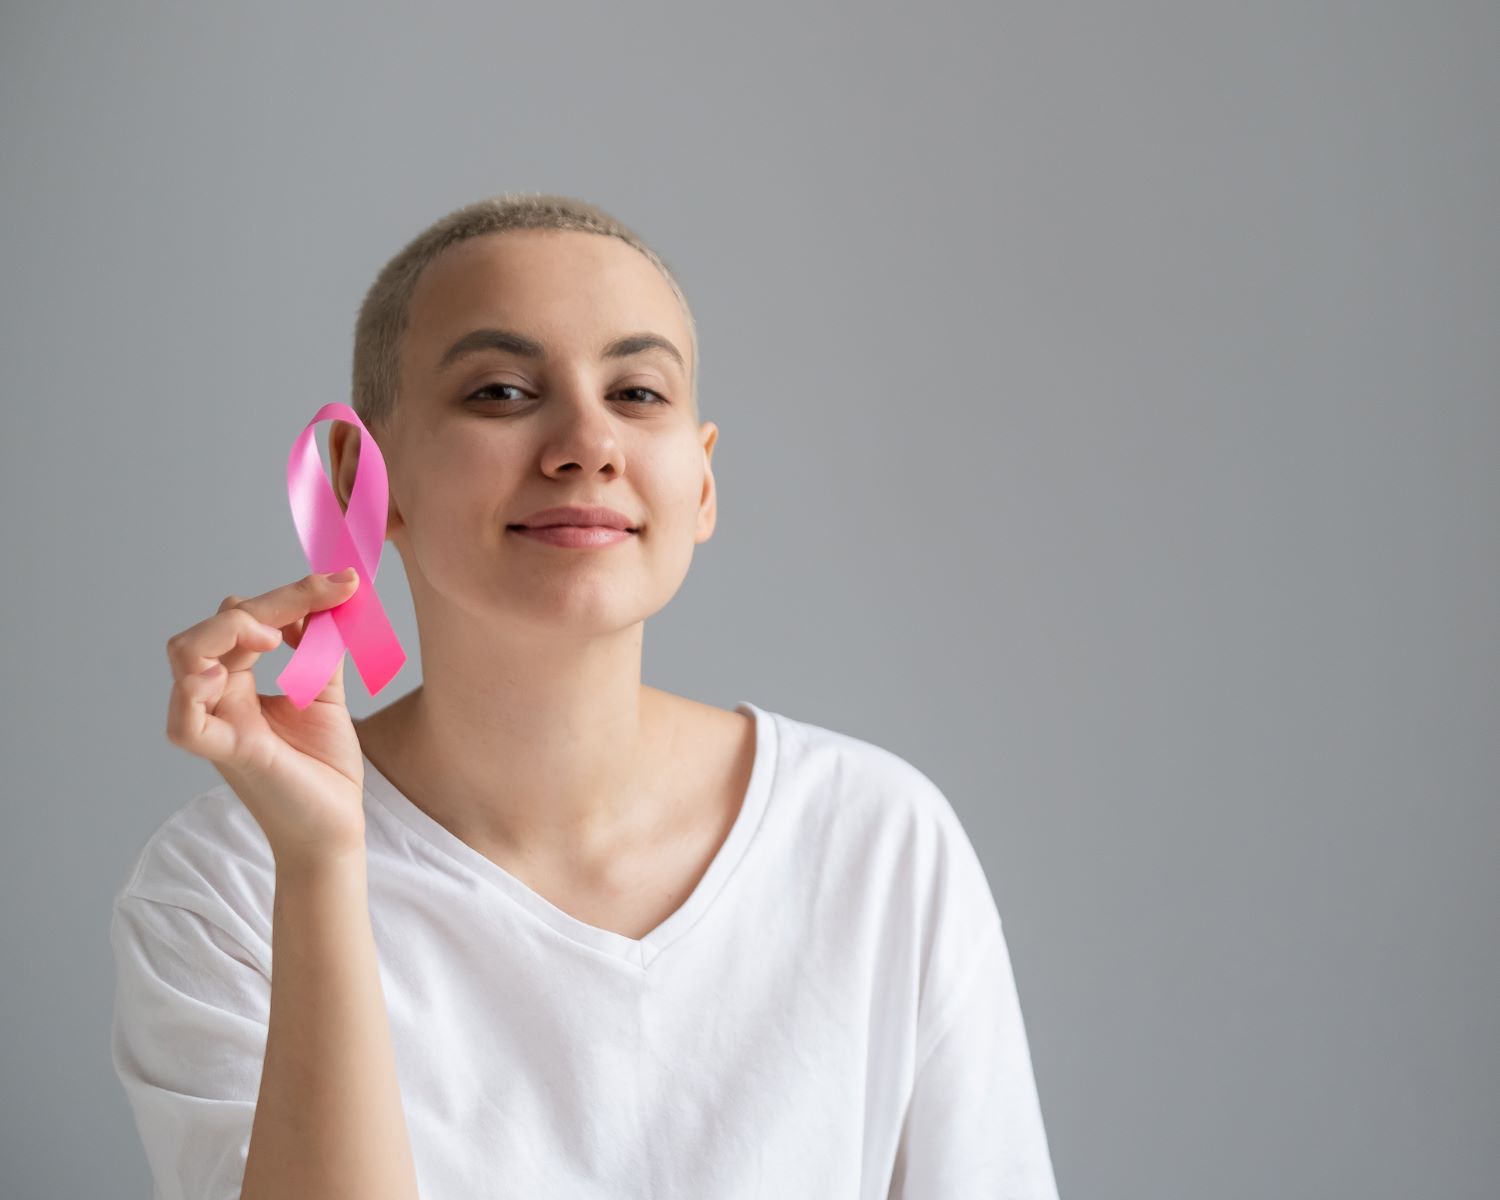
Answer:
(292, 634)
(190, 650)
(332, 692)
(232, 636)
(191, 723)
(293, 601)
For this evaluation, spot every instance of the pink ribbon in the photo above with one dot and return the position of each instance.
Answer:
(333, 540)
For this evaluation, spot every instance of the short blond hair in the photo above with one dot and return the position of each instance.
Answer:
(385, 312)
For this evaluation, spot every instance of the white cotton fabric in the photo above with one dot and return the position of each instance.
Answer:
(830, 1014)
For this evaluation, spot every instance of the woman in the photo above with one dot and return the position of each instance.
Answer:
(541, 930)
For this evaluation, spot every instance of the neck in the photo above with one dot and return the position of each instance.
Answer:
(547, 772)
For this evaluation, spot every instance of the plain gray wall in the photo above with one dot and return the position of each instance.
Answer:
(1109, 426)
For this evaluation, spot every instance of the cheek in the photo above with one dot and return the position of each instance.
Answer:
(671, 476)
(471, 464)
(472, 442)
(455, 500)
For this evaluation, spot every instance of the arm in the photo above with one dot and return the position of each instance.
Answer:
(328, 1121)
(200, 1019)
(199, 1028)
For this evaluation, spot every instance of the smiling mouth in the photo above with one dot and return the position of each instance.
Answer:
(566, 525)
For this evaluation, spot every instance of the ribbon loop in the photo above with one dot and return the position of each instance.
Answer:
(332, 540)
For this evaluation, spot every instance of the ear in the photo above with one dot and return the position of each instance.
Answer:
(343, 460)
(708, 501)
(344, 441)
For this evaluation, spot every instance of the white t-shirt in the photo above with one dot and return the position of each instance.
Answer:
(830, 1014)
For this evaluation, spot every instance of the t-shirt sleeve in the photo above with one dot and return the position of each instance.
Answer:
(191, 1008)
(974, 1126)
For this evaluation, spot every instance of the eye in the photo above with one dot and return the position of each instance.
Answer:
(491, 387)
(487, 391)
(659, 398)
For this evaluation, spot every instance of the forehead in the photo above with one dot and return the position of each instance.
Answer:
(563, 287)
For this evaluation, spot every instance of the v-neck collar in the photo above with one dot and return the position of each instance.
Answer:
(638, 951)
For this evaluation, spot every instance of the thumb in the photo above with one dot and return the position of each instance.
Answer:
(332, 692)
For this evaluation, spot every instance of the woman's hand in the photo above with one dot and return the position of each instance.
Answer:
(300, 772)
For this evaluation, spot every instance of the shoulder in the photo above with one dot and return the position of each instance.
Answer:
(210, 857)
(897, 818)
(860, 777)
(886, 838)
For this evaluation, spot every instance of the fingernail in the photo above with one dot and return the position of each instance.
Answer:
(343, 576)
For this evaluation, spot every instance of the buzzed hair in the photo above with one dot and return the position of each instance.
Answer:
(385, 312)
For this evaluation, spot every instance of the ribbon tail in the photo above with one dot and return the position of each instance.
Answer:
(314, 661)
(372, 642)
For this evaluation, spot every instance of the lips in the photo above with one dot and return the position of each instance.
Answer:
(575, 536)
(596, 516)
(572, 525)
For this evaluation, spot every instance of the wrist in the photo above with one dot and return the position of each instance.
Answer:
(321, 863)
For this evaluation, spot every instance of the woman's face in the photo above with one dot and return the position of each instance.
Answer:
(485, 434)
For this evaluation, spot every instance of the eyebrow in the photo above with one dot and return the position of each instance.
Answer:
(476, 341)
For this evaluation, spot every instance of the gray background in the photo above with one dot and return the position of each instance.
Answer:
(1109, 426)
